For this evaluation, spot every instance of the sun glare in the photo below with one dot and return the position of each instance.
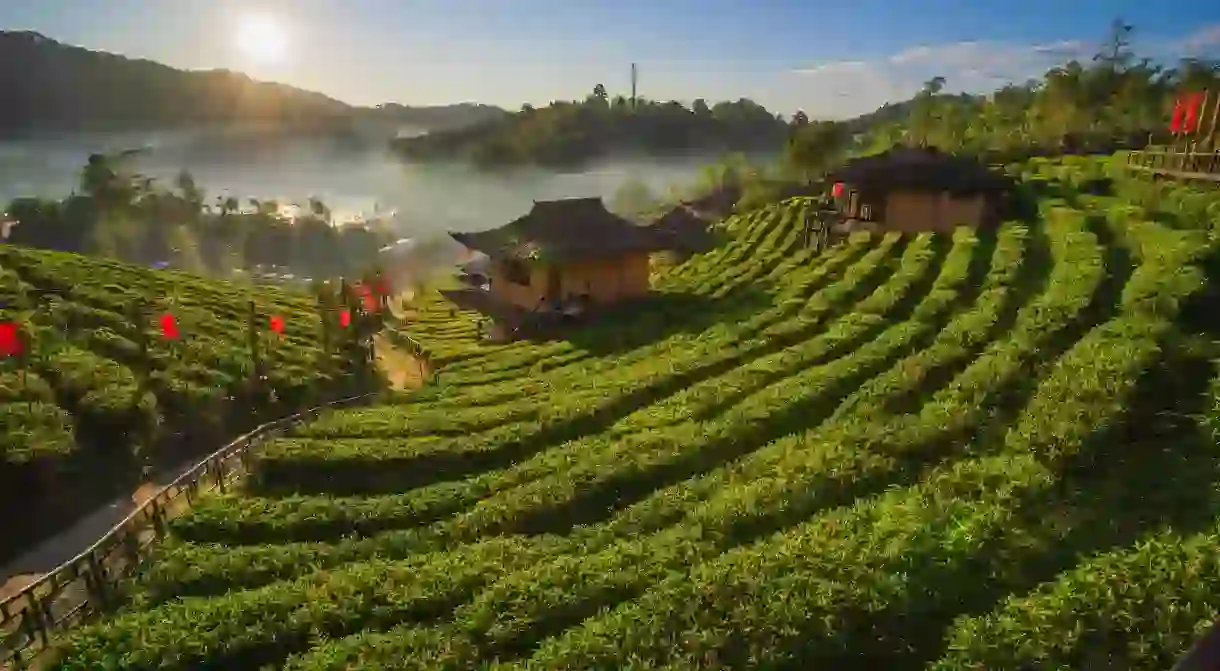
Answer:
(262, 39)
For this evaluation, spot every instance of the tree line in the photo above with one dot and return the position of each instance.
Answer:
(1116, 100)
(567, 133)
(120, 213)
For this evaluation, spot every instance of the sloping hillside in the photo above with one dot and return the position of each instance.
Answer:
(48, 85)
(101, 394)
(906, 452)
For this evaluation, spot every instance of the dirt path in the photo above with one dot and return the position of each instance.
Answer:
(403, 370)
(60, 548)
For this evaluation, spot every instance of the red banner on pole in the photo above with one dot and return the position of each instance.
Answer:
(10, 339)
(1190, 122)
(1175, 124)
(345, 318)
(169, 327)
(837, 189)
(277, 324)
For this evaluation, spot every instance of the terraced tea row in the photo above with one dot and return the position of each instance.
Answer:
(969, 429)
(702, 398)
(98, 390)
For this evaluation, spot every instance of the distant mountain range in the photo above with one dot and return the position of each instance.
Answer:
(46, 85)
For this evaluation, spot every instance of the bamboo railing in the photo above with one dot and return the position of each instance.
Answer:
(89, 582)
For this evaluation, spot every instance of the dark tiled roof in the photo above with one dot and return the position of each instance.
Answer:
(921, 168)
(571, 229)
(684, 230)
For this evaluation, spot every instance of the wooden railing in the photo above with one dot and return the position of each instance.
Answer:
(88, 583)
(1177, 163)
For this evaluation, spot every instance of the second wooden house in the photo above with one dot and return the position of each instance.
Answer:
(914, 189)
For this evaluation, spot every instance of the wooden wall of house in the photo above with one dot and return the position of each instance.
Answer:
(635, 274)
(607, 280)
(916, 211)
(525, 296)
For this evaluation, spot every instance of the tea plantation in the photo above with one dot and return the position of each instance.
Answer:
(990, 450)
(100, 393)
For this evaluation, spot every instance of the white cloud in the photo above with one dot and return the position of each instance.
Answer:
(846, 88)
(1203, 41)
(854, 87)
(840, 67)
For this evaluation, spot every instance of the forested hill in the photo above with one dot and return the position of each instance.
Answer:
(439, 117)
(48, 85)
(568, 133)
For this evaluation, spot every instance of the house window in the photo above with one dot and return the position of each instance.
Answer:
(853, 204)
(866, 212)
(517, 272)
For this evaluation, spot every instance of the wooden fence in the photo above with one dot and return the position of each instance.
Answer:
(1181, 164)
(88, 583)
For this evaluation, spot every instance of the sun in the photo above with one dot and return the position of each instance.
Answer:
(262, 39)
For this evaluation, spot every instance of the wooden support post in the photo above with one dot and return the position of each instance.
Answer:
(1211, 131)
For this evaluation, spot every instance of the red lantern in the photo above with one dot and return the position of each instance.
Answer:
(837, 189)
(345, 318)
(10, 339)
(169, 327)
(277, 324)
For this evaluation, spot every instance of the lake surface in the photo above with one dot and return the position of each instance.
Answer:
(353, 177)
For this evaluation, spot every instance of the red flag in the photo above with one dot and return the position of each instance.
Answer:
(1191, 121)
(169, 327)
(837, 189)
(345, 318)
(277, 324)
(1175, 126)
(10, 339)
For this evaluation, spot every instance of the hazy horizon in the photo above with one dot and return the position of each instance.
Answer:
(430, 198)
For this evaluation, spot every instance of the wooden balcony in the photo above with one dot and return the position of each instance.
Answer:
(1178, 164)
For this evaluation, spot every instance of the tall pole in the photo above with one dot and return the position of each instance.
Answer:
(1195, 131)
(634, 79)
(1211, 133)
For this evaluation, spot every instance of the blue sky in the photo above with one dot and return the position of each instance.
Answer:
(832, 58)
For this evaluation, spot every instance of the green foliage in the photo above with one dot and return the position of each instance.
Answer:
(816, 147)
(100, 395)
(570, 133)
(1116, 100)
(123, 215)
(994, 449)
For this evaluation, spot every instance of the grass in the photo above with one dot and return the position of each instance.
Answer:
(994, 449)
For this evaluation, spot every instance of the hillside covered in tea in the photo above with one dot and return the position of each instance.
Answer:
(100, 396)
(904, 451)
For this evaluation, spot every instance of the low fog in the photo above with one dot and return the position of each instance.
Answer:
(354, 175)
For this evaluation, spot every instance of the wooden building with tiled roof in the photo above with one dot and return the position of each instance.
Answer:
(561, 252)
(914, 189)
